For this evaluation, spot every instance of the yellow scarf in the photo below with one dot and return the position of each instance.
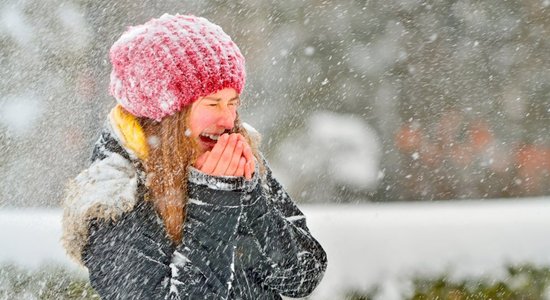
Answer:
(129, 131)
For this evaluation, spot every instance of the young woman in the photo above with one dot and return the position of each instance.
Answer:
(178, 203)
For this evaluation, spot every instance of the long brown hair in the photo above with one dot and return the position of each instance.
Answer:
(171, 152)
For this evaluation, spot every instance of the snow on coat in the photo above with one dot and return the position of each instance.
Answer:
(242, 239)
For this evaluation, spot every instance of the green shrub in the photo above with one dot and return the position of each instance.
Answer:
(46, 283)
(521, 283)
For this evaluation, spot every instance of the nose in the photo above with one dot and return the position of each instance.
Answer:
(226, 119)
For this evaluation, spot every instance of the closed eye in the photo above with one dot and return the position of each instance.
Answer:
(211, 103)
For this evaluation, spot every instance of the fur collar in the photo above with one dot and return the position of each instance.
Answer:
(104, 191)
(109, 187)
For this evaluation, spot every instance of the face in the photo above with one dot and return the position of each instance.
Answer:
(211, 116)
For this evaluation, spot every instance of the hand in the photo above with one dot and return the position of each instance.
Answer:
(250, 164)
(231, 156)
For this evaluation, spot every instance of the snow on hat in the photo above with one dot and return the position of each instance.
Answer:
(167, 63)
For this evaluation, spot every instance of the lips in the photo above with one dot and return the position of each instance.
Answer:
(209, 136)
(209, 140)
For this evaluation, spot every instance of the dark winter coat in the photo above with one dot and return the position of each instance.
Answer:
(241, 240)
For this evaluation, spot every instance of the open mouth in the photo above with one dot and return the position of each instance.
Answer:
(210, 139)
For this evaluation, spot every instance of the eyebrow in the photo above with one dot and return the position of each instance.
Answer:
(219, 99)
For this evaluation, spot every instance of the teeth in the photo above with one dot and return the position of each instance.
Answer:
(211, 136)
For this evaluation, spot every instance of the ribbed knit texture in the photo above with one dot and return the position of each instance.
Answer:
(224, 183)
(167, 63)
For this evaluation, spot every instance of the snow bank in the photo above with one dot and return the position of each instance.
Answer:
(370, 244)
(30, 237)
(387, 244)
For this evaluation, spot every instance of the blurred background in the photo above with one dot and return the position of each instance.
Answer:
(395, 100)
(372, 109)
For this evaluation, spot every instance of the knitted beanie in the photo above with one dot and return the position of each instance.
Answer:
(167, 63)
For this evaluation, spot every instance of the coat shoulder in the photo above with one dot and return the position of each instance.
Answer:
(106, 190)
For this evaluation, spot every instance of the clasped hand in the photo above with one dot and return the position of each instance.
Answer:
(231, 156)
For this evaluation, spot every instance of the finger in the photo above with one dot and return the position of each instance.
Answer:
(241, 138)
(240, 169)
(226, 155)
(252, 166)
(235, 159)
(210, 164)
(251, 169)
(244, 140)
(247, 152)
(200, 161)
(247, 171)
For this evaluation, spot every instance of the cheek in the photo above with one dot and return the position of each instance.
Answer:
(200, 122)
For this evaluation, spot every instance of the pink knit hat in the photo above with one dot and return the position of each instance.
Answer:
(167, 63)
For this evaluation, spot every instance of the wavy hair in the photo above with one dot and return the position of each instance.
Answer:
(171, 152)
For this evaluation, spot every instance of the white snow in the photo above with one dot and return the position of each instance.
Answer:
(111, 182)
(295, 218)
(19, 114)
(78, 32)
(388, 243)
(14, 23)
(197, 202)
(379, 54)
(178, 261)
(30, 237)
(341, 147)
(370, 244)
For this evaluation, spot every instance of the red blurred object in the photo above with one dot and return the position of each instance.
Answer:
(480, 135)
(408, 138)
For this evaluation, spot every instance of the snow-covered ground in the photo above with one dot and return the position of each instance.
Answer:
(387, 244)
(370, 244)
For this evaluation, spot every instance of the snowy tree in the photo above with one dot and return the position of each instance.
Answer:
(395, 64)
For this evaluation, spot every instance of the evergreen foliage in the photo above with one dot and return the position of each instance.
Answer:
(525, 282)
(46, 283)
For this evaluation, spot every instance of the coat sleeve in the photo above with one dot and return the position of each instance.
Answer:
(132, 258)
(293, 262)
(213, 215)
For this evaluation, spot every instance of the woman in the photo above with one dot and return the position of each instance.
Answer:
(178, 203)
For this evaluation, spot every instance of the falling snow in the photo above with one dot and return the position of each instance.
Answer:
(357, 102)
